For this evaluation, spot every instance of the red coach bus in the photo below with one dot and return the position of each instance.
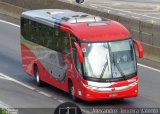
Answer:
(90, 57)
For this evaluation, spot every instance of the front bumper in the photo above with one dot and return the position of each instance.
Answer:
(91, 95)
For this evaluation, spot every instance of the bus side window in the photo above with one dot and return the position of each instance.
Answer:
(23, 23)
(31, 30)
(61, 41)
(36, 33)
(30, 36)
(50, 38)
(43, 37)
(25, 27)
(40, 36)
(66, 44)
(65, 49)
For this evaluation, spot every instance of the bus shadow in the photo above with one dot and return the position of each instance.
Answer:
(108, 103)
(57, 92)
(65, 96)
(61, 95)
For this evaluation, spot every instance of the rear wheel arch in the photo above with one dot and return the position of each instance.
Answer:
(35, 69)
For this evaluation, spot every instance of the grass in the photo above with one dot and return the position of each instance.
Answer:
(3, 111)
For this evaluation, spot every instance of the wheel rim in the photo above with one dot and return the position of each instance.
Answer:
(72, 91)
(37, 77)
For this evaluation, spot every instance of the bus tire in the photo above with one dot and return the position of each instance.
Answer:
(71, 91)
(37, 76)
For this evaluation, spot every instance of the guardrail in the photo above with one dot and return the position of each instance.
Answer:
(144, 32)
(147, 33)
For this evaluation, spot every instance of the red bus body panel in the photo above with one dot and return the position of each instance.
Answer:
(111, 32)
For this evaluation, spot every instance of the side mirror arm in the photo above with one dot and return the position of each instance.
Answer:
(139, 48)
(79, 52)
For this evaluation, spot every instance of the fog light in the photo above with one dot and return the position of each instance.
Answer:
(88, 95)
(136, 91)
(79, 93)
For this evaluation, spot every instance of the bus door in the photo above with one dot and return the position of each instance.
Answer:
(76, 66)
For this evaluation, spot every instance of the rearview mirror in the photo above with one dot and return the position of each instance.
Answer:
(139, 48)
(79, 52)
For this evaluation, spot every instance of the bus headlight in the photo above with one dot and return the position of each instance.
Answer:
(89, 87)
(102, 89)
(133, 84)
(106, 89)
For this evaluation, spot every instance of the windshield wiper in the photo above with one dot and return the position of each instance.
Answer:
(104, 68)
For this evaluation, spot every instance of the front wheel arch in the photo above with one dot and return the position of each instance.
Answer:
(71, 90)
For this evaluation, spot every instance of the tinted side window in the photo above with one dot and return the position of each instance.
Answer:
(43, 35)
(58, 40)
(40, 34)
(32, 30)
(63, 42)
(50, 37)
(24, 27)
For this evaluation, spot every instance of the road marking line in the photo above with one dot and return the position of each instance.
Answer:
(93, 6)
(116, 4)
(135, 17)
(3, 76)
(121, 13)
(146, 13)
(9, 23)
(97, 2)
(106, 7)
(4, 105)
(45, 94)
(24, 85)
(16, 81)
(61, 101)
(151, 68)
(133, 9)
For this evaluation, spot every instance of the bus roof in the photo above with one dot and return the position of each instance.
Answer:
(85, 26)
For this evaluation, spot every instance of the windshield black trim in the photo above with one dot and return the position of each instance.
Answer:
(111, 79)
(82, 41)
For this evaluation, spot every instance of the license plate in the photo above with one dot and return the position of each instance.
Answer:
(113, 95)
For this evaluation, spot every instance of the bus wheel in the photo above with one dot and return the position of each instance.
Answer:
(71, 91)
(38, 81)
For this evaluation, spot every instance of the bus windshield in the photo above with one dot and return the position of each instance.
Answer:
(108, 60)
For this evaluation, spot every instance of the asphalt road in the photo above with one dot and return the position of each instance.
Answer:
(144, 10)
(18, 95)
